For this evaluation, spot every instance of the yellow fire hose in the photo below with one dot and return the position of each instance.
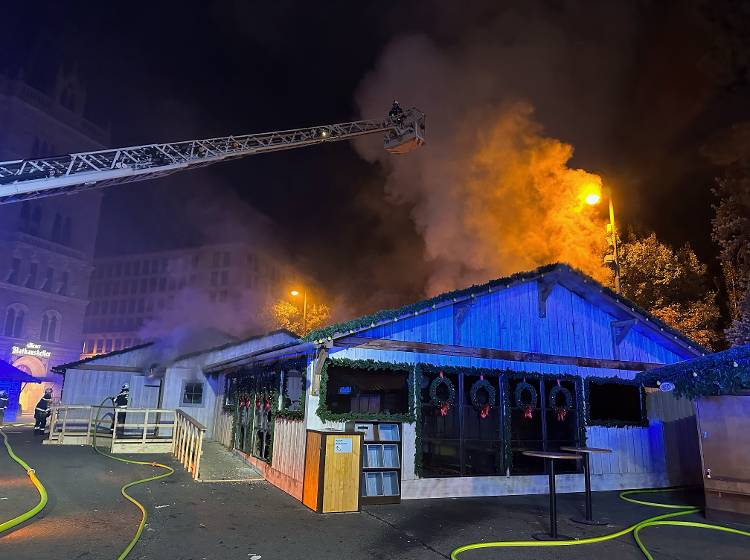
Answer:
(5, 526)
(654, 521)
(123, 489)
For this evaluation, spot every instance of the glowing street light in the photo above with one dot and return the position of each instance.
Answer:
(296, 293)
(592, 196)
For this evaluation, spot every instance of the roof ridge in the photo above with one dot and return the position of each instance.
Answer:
(389, 315)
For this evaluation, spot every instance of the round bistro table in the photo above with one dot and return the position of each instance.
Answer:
(549, 458)
(585, 453)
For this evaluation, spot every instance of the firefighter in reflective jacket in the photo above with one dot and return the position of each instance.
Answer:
(42, 411)
(121, 403)
(3, 404)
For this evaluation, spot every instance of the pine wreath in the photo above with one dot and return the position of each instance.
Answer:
(561, 411)
(528, 407)
(445, 405)
(483, 409)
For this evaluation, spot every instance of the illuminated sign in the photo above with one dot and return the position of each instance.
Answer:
(31, 349)
(666, 386)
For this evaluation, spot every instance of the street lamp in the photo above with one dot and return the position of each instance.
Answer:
(592, 197)
(296, 293)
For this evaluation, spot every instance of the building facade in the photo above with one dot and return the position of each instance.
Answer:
(139, 297)
(46, 245)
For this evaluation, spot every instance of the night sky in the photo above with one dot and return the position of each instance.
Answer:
(641, 111)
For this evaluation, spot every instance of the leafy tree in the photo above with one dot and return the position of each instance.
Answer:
(739, 332)
(286, 315)
(731, 232)
(671, 284)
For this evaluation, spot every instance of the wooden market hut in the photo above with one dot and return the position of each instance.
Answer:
(451, 390)
(719, 385)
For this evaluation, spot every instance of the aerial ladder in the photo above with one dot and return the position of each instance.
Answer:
(26, 179)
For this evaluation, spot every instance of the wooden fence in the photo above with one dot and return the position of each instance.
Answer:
(188, 442)
(289, 448)
(223, 421)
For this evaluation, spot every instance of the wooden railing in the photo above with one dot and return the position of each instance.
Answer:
(188, 442)
(132, 430)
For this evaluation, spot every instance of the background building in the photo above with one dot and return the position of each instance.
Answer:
(139, 297)
(47, 245)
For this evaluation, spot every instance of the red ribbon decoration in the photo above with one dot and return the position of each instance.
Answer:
(268, 405)
(485, 412)
(561, 414)
(528, 412)
(444, 408)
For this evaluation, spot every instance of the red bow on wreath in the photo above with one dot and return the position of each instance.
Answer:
(561, 414)
(485, 412)
(268, 405)
(257, 403)
(444, 408)
(528, 412)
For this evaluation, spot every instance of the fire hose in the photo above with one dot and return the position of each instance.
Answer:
(124, 488)
(7, 525)
(664, 519)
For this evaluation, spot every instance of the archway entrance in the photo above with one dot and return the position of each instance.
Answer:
(31, 392)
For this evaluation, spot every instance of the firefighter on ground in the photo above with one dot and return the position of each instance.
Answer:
(42, 411)
(121, 404)
(3, 404)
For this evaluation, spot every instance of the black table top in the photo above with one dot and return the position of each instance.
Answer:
(551, 454)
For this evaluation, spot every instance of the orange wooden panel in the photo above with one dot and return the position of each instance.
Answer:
(312, 471)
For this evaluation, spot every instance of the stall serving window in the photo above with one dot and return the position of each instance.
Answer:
(476, 422)
(544, 415)
(615, 402)
(255, 393)
(461, 424)
(366, 391)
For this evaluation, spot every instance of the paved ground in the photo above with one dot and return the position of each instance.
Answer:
(220, 464)
(87, 519)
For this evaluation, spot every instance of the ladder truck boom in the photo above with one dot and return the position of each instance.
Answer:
(72, 173)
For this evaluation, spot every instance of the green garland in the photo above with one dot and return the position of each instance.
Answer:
(324, 413)
(722, 373)
(614, 423)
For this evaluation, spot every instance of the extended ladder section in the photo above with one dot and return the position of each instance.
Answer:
(36, 178)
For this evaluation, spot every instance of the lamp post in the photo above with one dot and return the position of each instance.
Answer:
(592, 198)
(296, 293)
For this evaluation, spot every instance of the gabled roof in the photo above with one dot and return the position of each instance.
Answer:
(722, 373)
(584, 284)
(72, 365)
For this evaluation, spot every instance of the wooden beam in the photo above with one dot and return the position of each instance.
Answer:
(490, 353)
(544, 288)
(620, 329)
(103, 367)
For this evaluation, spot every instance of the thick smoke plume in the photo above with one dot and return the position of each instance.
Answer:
(491, 193)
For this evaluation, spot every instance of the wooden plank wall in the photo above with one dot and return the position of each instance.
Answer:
(509, 319)
(90, 387)
(289, 448)
(223, 428)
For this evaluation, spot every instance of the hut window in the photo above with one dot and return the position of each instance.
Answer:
(366, 391)
(192, 393)
(293, 389)
(615, 404)
(545, 428)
